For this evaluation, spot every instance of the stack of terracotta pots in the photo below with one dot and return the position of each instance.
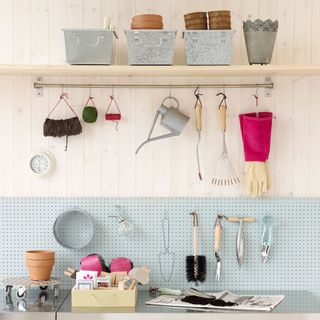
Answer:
(147, 21)
(219, 20)
(40, 264)
(196, 21)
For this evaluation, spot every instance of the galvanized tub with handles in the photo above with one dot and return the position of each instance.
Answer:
(260, 37)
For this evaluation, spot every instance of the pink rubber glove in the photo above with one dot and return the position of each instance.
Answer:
(256, 135)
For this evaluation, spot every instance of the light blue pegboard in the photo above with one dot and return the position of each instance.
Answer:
(293, 264)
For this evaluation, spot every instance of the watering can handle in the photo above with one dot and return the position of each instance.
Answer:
(171, 98)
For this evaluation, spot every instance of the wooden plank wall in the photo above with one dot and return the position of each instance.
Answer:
(101, 161)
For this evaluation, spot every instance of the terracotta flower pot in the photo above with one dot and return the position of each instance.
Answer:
(40, 264)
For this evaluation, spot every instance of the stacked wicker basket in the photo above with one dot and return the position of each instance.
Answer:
(215, 20)
(219, 20)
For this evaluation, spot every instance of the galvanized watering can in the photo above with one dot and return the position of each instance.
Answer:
(260, 37)
(171, 119)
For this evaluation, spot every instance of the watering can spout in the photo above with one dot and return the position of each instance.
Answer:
(168, 135)
(171, 119)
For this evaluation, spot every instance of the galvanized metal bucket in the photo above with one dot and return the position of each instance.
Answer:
(260, 38)
(90, 46)
(208, 47)
(150, 47)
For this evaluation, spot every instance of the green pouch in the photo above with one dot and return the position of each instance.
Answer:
(90, 113)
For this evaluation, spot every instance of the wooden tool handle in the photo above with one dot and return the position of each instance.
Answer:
(195, 240)
(133, 285)
(223, 117)
(244, 219)
(198, 116)
(217, 237)
(70, 274)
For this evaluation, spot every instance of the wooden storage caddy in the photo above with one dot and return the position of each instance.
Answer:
(104, 297)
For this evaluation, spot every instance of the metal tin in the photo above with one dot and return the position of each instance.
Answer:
(90, 46)
(208, 47)
(260, 38)
(150, 47)
(73, 229)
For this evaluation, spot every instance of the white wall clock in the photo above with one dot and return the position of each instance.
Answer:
(42, 163)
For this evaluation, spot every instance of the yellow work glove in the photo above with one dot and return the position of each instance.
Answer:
(256, 178)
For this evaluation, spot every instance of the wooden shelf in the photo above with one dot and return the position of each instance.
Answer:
(160, 71)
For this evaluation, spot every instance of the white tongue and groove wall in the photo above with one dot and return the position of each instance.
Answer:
(101, 161)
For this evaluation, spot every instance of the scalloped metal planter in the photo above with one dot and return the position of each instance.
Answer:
(260, 37)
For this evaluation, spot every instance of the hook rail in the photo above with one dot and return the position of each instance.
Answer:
(40, 85)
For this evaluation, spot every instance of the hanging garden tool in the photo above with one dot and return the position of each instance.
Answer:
(90, 112)
(225, 174)
(171, 119)
(196, 266)
(240, 243)
(62, 127)
(198, 110)
(166, 258)
(266, 239)
(114, 117)
(256, 138)
(217, 246)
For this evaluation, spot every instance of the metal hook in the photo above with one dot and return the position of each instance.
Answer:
(224, 98)
(116, 125)
(63, 95)
(112, 92)
(197, 93)
(256, 96)
(194, 218)
(90, 93)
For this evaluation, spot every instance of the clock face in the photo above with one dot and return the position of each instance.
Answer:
(40, 164)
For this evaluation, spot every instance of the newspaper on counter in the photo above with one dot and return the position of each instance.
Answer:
(244, 302)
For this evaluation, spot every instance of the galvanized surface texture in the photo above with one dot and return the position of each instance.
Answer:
(150, 47)
(293, 262)
(209, 47)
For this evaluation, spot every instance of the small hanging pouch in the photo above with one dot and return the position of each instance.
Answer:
(62, 127)
(113, 116)
(90, 112)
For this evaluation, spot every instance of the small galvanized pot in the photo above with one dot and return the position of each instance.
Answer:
(260, 38)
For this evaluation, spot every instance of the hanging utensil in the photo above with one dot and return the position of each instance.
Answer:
(198, 110)
(196, 266)
(171, 119)
(240, 242)
(114, 117)
(225, 174)
(266, 239)
(217, 246)
(166, 258)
